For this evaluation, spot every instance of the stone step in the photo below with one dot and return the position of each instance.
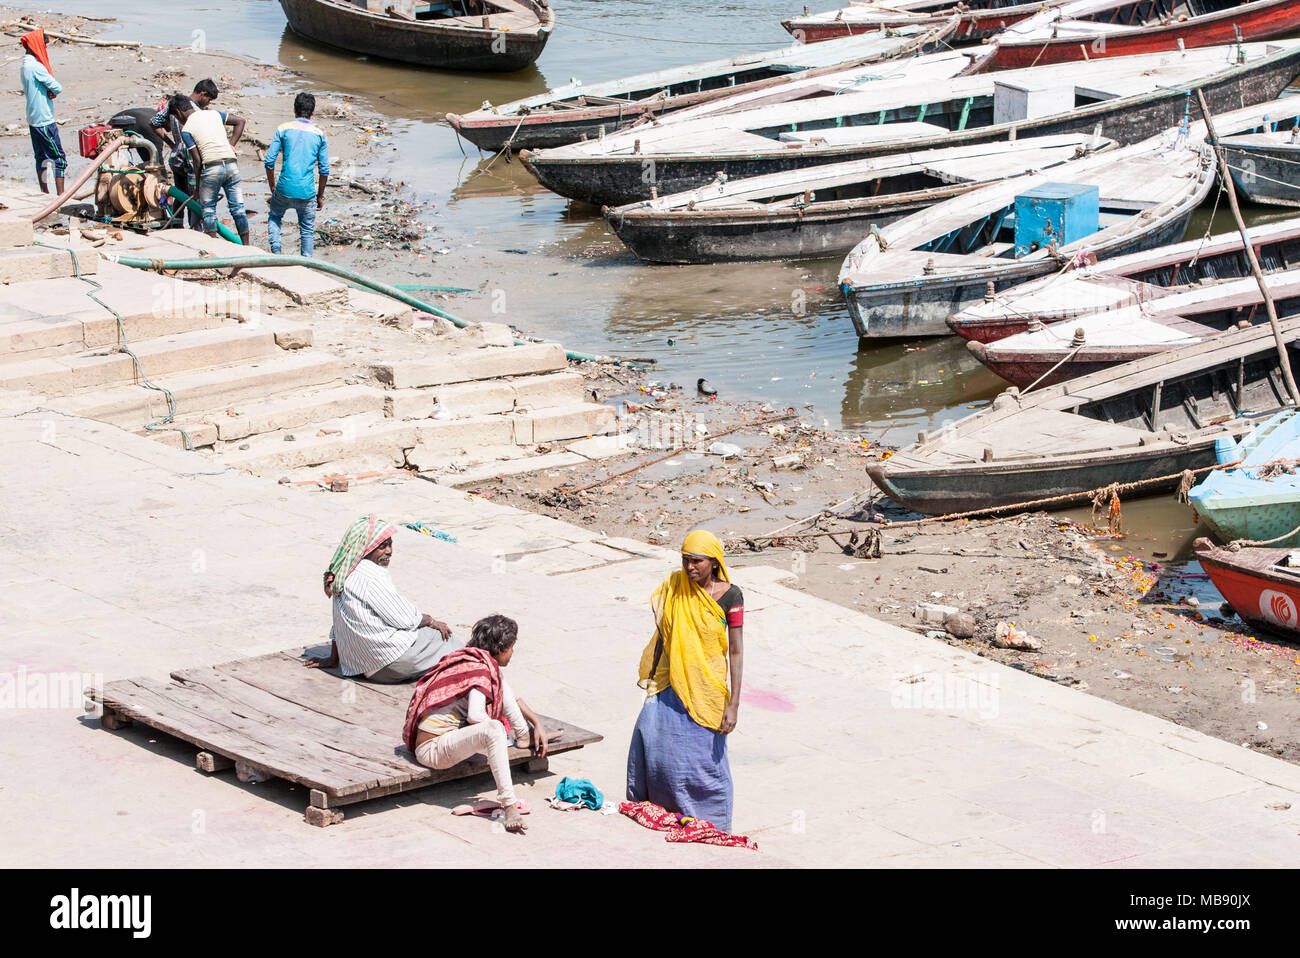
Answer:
(575, 421)
(273, 415)
(490, 362)
(23, 264)
(441, 440)
(15, 230)
(61, 375)
(210, 390)
(56, 316)
(368, 440)
(22, 339)
(549, 390)
(460, 400)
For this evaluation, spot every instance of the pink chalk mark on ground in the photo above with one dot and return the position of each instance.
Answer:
(772, 701)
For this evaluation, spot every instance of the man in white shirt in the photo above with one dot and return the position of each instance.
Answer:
(203, 133)
(378, 632)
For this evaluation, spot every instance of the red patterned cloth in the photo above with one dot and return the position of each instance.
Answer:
(681, 828)
(456, 674)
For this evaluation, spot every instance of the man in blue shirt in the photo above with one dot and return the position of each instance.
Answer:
(41, 88)
(306, 169)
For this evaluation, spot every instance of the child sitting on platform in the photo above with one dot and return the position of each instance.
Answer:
(463, 707)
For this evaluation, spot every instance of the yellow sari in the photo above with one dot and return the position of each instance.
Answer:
(693, 630)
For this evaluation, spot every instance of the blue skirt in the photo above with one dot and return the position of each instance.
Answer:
(675, 762)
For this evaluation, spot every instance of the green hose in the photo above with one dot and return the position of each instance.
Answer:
(285, 259)
(189, 202)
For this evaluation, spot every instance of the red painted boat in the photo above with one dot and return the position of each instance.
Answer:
(1093, 29)
(1262, 585)
(979, 20)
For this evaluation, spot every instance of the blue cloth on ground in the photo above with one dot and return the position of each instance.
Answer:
(679, 764)
(429, 530)
(579, 790)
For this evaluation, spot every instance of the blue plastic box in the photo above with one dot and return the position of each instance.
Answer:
(1056, 213)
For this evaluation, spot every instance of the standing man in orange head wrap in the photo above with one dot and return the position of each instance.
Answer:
(41, 88)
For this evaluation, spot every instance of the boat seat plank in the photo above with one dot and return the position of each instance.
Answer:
(1040, 432)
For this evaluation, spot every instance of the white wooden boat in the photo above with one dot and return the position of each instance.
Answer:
(1127, 280)
(906, 279)
(575, 111)
(979, 19)
(1046, 355)
(827, 209)
(1132, 98)
(1146, 420)
(1096, 29)
(1265, 165)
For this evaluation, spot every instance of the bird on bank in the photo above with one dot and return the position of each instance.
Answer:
(705, 388)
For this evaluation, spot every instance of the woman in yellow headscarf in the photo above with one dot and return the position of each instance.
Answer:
(678, 756)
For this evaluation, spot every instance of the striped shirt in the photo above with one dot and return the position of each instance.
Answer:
(373, 623)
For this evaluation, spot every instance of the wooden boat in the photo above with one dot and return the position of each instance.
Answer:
(825, 210)
(1132, 98)
(1046, 355)
(1127, 280)
(575, 111)
(1146, 420)
(1265, 166)
(1261, 584)
(979, 19)
(1258, 500)
(498, 36)
(1095, 29)
(906, 279)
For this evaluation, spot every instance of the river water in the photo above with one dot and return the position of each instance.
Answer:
(734, 324)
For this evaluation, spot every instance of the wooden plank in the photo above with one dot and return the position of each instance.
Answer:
(282, 719)
(196, 716)
(270, 716)
(354, 702)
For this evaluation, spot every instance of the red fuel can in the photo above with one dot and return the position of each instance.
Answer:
(91, 138)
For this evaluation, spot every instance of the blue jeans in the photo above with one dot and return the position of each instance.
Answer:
(306, 221)
(213, 180)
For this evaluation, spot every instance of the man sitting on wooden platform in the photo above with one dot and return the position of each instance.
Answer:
(377, 631)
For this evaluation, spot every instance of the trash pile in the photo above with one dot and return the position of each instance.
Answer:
(390, 223)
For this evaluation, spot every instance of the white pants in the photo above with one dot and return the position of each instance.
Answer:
(485, 738)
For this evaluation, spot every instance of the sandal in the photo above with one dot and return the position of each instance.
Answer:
(488, 807)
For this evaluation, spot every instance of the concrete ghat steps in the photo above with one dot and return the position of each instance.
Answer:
(95, 328)
(61, 375)
(555, 424)
(368, 440)
(23, 264)
(471, 365)
(209, 390)
(150, 306)
(484, 398)
(15, 229)
(241, 421)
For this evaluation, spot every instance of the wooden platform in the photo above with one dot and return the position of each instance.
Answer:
(271, 717)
